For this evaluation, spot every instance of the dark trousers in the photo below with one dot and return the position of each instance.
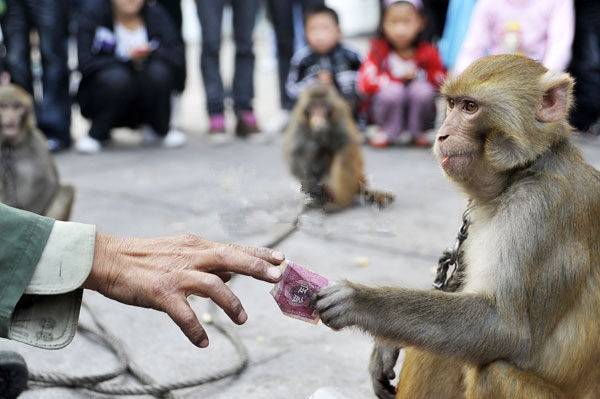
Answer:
(123, 96)
(282, 18)
(173, 8)
(211, 15)
(50, 19)
(585, 65)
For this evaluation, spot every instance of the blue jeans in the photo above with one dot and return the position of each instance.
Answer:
(50, 19)
(210, 13)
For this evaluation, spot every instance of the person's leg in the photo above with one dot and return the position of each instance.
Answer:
(244, 17)
(282, 18)
(211, 15)
(112, 90)
(15, 30)
(173, 8)
(421, 106)
(50, 18)
(156, 87)
(387, 109)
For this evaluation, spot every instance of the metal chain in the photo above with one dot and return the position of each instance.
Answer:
(8, 175)
(451, 256)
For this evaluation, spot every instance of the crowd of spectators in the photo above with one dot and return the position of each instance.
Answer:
(131, 57)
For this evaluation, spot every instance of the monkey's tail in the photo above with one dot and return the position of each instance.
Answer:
(382, 199)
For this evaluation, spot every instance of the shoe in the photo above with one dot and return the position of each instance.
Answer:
(278, 123)
(149, 137)
(246, 124)
(56, 145)
(13, 375)
(403, 139)
(380, 140)
(422, 141)
(216, 124)
(88, 145)
(174, 139)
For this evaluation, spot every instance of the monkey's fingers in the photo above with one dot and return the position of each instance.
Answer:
(384, 389)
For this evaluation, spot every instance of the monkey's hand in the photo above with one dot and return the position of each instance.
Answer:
(381, 369)
(338, 305)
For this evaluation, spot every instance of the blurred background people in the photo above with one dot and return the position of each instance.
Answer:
(50, 19)
(400, 76)
(281, 13)
(210, 13)
(585, 66)
(131, 60)
(540, 29)
(455, 29)
(325, 59)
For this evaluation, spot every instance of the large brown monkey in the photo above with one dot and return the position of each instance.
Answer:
(525, 319)
(28, 176)
(322, 146)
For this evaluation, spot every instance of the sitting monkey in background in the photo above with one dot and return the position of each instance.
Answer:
(322, 147)
(520, 315)
(28, 175)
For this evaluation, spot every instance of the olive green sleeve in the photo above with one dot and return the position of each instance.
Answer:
(23, 237)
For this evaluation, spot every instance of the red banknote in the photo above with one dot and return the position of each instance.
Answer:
(295, 291)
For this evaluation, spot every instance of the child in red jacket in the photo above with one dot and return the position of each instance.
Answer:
(401, 76)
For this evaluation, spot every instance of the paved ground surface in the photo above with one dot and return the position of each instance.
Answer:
(242, 192)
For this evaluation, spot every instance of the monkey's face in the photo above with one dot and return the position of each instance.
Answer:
(319, 115)
(457, 147)
(503, 112)
(12, 119)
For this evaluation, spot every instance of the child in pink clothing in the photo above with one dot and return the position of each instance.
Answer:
(401, 75)
(540, 29)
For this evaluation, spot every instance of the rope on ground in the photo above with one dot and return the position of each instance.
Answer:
(100, 383)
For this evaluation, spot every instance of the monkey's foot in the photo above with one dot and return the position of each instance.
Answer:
(336, 305)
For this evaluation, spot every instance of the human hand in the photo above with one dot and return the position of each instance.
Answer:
(161, 273)
(140, 53)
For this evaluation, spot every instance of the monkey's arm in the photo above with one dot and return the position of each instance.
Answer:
(467, 326)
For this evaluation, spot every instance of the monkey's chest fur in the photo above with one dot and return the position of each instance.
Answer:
(28, 177)
(312, 158)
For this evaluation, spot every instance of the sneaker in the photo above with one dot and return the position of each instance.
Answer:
(278, 123)
(422, 141)
(174, 139)
(379, 140)
(56, 145)
(216, 124)
(403, 139)
(88, 145)
(246, 124)
(149, 136)
(13, 375)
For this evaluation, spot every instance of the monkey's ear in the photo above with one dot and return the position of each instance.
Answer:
(556, 102)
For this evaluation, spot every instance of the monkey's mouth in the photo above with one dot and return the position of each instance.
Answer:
(450, 159)
(10, 129)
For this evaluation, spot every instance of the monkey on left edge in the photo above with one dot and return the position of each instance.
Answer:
(28, 175)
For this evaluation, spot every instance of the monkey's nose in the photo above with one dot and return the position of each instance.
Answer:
(442, 137)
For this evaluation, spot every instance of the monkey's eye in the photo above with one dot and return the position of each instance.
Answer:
(470, 107)
(451, 103)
